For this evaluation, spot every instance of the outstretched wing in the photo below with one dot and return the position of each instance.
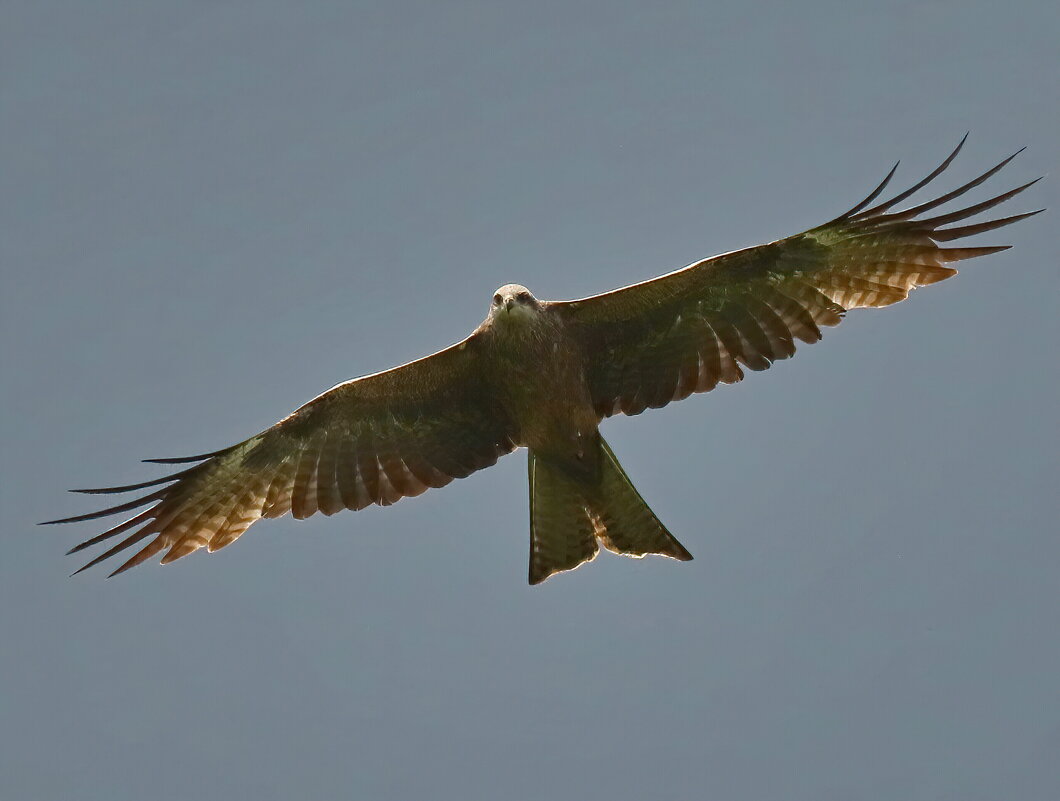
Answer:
(375, 439)
(661, 340)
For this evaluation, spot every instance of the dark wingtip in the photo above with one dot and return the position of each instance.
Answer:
(950, 234)
(57, 521)
(132, 539)
(874, 194)
(971, 211)
(142, 485)
(935, 173)
(916, 211)
(143, 501)
(197, 458)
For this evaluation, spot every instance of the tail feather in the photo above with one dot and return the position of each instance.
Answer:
(573, 512)
(561, 533)
(626, 524)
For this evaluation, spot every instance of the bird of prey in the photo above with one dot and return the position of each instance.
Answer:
(542, 375)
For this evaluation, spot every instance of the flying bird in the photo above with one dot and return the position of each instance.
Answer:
(542, 375)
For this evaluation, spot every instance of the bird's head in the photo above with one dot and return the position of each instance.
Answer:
(513, 302)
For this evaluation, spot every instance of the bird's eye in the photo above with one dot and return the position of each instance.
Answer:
(497, 299)
(523, 297)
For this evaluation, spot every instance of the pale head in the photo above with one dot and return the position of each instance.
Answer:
(513, 300)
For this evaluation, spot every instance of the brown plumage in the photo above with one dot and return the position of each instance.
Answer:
(542, 375)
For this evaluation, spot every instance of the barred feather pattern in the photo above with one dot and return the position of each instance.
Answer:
(662, 340)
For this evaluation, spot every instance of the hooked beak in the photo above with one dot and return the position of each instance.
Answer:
(508, 303)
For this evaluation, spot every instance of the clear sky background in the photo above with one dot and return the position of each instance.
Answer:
(214, 211)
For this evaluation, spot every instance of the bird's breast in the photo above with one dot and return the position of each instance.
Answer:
(541, 382)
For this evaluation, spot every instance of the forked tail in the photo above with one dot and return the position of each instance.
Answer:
(573, 510)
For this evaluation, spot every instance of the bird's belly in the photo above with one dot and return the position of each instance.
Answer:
(550, 404)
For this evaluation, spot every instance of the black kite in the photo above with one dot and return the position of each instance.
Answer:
(542, 375)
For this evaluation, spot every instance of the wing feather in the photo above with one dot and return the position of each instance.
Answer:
(304, 496)
(351, 487)
(329, 496)
(792, 314)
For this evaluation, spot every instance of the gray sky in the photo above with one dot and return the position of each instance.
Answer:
(213, 211)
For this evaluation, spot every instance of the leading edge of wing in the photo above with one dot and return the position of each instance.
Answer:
(456, 347)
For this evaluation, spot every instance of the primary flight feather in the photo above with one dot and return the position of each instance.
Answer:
(542, 375)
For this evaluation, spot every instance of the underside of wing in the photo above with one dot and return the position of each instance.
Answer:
(661, 340)
(373, 440)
